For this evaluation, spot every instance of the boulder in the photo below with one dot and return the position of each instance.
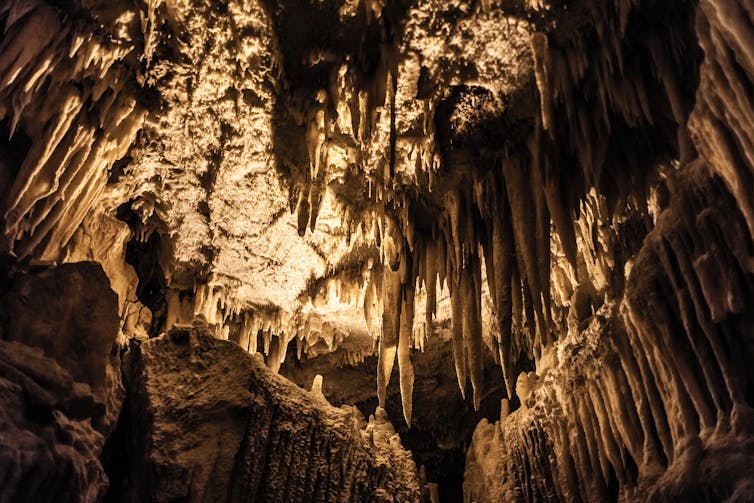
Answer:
(210, 422)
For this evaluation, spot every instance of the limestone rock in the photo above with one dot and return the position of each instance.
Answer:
(212, 423)
(49, 450)
(71, 313)
(566, 185)
(634, 405)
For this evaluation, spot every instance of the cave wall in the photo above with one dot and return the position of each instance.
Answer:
(60, 379)
(650, 399)
(182, 417)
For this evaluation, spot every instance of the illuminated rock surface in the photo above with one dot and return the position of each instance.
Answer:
(213, 423)
(520, 231)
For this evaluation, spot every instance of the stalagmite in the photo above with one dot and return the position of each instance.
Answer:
(317, 385)
(252, 173)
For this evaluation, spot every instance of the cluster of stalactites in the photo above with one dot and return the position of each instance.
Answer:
(496, 229)
(67, 89)
(499, 220)
(496, 225)
(351, 129)
(229, 319)
(488, 222)
(646, 382)
(264, 329)
(609, 76)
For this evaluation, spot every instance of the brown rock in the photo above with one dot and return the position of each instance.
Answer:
(49, 450)
(72, 314)
(212, 423)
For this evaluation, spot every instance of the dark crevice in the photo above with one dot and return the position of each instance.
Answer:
(145, 258)
(13, 150)
(116, 458)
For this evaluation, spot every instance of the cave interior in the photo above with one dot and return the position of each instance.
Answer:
(376, 250)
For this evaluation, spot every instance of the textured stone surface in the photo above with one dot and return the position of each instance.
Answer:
(60, 380)
(60, 383)
(650, 400)
(212, 423)
(649, 397)
(71, 313)
(49, 450)
(442, 422)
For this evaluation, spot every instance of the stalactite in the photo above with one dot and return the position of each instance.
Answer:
(431, 259)
(455, 208)
(406, 324)
(562, 221)
(542, 71)
(389, 339)
(371, 154)
(659, 349)
(502, 257)
(77, 131)
(541, 234)
(470, 290)
(523, 216)
(457, 320)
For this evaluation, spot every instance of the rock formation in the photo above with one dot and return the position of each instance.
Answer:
(212, 423)
(60, 381)
(520, 231)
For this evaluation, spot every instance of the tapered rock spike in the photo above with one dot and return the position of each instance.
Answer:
(561, 219)
(317, 385)
(523, 215)
(542, 234)
(517, 308)
(471, 291)
(430, 282)
(404, 350)
(489, 263)
(542, 72)
(457, 317)
(455, 207)
(502, 256)
(391, 295)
